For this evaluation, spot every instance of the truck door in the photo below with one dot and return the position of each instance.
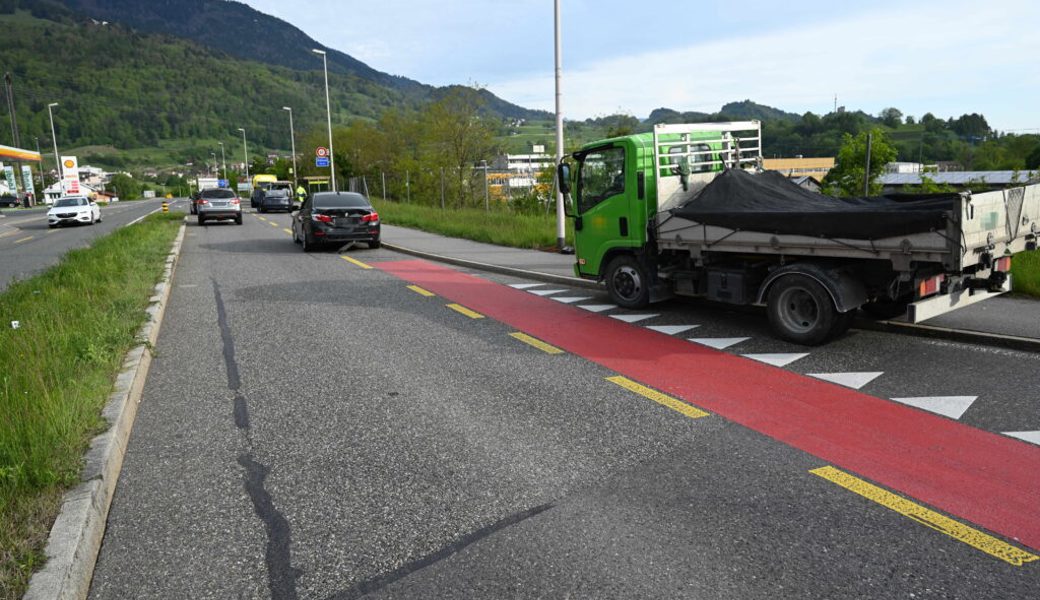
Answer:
(604, 219)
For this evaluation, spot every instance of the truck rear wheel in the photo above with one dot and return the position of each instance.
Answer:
(801, 311)
(628, 283)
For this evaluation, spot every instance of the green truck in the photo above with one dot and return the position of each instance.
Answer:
(687, 210)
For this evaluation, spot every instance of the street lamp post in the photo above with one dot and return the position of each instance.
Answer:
(215, 167)
(57, 159)
(560, 213)
(328, 111)
(245, 150)
(223, 160)
(292, 136)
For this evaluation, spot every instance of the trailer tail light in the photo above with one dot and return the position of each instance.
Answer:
(929, 286)
(370, 218)
(1002, 265)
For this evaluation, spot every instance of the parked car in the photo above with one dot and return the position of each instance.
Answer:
(73, 210)
(10, 201)
(219, 204)
(276, 199)
(335, 217)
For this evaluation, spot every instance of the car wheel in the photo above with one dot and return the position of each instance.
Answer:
(374, 244)
(50, 226)
(628, 282)
(307, 246)
(238, 220)
(202, 220)
(801, 311)
(99, 218)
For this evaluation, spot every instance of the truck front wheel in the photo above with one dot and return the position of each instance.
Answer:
(801, 311)
(628, 283)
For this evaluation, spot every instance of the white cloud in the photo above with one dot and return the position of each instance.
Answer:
(946, 58)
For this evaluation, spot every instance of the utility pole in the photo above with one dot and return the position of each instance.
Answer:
(561, 215)
(866, 174)
(292, 136)
(487, 206)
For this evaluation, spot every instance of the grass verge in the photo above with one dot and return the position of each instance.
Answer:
(77, 322)
(495, 227)
(1025, 273)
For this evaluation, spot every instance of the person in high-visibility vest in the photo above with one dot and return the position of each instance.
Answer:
(301, 194)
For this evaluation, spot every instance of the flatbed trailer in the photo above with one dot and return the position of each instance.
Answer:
(811, 285)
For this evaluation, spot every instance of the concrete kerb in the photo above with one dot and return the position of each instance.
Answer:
(76, 536)
(546, 277)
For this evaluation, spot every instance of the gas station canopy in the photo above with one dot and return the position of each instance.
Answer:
(9, 153)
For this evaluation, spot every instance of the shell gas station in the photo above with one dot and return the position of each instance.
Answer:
(17, 177)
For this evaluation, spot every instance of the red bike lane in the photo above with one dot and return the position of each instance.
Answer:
(984, 478)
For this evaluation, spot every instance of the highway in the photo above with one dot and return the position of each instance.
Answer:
(340, 425)
(28, 247)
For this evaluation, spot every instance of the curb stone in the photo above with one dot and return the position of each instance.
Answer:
(76, 536)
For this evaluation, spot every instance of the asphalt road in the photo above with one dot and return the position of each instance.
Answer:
(28, 247)
(312, 428)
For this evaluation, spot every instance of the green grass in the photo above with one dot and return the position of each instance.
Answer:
(1025, 273)
(495, 227)
(78, 320)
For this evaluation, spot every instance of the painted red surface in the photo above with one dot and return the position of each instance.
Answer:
(987, 479)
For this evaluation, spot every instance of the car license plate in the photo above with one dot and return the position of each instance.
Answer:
(344, 222)
(216, 204)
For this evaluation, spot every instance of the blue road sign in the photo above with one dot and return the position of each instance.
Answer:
(222, 183)
(321, 161)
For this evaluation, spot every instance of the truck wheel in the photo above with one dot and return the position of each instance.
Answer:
(801, 311)
(628, 283)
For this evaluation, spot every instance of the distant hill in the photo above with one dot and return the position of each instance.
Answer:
(733, 111)
(245, 33)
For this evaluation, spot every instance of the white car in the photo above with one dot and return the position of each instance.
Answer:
(73, 209)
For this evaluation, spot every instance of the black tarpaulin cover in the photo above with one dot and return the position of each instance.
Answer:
(768, 202)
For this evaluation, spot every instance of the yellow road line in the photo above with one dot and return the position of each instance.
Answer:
(465, 311)
(927, 517)
(420, 291)
(537, 343)
(272, 224)
(662, 399)
(289, 231)
(24, 239)
(7, 233)
(356, 262)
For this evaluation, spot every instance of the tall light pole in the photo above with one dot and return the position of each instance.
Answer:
(245, 150)
(561, 216)
(292, 136)
(57, 159)
(223, 160)
(328, 110)
(215, 167)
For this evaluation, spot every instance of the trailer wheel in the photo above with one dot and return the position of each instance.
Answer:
(628, 283)
(801, 311)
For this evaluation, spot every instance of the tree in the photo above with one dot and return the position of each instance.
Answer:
(1033, 160)
(125, 186)
(891, 117)
(847, 176)
(456, 136)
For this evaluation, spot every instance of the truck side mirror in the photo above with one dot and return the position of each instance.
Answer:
(563, 177)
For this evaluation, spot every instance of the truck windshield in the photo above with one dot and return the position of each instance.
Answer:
(602, 176)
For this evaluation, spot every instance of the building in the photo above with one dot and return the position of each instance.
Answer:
(520, 171)
(817, 168)
(960, 180)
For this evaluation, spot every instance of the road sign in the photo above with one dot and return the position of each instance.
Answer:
(321, 161)
(222, 183)
(321, 152)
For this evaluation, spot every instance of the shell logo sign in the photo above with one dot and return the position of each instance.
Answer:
(70, 175)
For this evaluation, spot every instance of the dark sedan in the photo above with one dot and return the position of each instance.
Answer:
(335, 218)
(276, 199)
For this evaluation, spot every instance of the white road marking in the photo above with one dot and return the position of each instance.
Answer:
(634, 318)
(947, 406)
(524, 286)
(571, 299)
(850, 380)
(1033, 437)
(777, 360)
(718, 343)
(671, 329)
(597, 307)
(545, 292)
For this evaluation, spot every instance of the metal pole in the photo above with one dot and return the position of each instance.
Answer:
(442, 188)
(866, 174)
(245, 151)
(215, 167)
(292, 136)
(487, 205)
(43, 182)
(223, 160)
(57, 159)
(407, 187)
(328, 111)
(382, 176)
(561, 216)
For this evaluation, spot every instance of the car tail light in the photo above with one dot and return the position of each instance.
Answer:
(322, 218)
(370, 218)
(235, 201)
(1002, 264)
(929, 286)
(203, 201)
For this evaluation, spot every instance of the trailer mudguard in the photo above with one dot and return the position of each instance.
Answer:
(847, 292)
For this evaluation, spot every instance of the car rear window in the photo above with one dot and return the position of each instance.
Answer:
(71, 202)
(349, 200)
(218, 194)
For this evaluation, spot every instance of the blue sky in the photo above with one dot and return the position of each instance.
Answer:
(948, 57)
